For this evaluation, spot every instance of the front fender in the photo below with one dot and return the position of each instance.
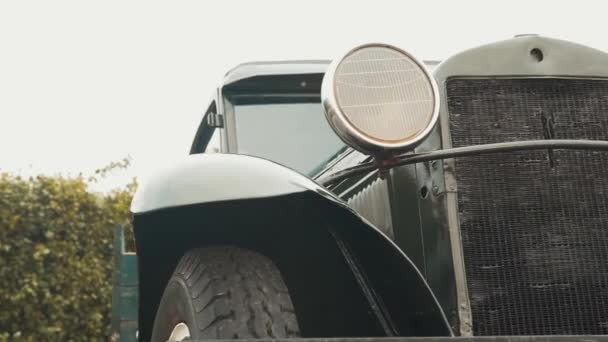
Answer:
(205, 178)
(248, 201)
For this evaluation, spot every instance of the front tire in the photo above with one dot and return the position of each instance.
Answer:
(225, 293)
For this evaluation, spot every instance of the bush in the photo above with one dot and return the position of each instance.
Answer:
(56, 257)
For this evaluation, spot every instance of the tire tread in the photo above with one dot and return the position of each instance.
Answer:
(236, 294)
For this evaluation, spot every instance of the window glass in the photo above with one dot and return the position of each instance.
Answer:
(294, 134)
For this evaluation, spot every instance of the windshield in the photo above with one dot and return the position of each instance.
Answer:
(293, 134)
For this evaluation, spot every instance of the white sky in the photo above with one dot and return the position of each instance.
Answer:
(84, 83)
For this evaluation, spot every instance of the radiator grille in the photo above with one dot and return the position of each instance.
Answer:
(534, 224)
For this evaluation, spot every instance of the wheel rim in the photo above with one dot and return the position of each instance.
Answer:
(180, 333)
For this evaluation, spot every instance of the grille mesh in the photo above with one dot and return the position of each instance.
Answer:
(534, 224)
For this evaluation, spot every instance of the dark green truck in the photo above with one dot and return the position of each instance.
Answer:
(469, 202)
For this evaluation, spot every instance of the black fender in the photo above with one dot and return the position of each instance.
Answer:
(346, 278)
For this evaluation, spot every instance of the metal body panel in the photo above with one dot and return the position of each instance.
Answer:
(278, 68)
(436, 242)
(419, 224)
(405, 214)
(370, 199)
(512, 58)
(274, 68)
(204, 178)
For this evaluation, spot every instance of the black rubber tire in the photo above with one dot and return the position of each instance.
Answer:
(226, 293)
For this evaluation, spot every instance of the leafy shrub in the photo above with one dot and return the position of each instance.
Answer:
(56, 257)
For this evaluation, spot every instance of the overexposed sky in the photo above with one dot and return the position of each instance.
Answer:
(84, 83)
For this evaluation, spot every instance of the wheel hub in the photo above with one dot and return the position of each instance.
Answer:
(180, 332)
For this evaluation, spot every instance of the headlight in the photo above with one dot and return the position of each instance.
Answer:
(380, 100)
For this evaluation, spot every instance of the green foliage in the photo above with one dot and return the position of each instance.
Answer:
(56, 257)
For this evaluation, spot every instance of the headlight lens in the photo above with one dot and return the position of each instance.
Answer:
(379, 97)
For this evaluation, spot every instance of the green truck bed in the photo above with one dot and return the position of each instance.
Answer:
(124, 291)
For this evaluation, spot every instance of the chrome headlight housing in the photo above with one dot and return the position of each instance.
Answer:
(380, 100)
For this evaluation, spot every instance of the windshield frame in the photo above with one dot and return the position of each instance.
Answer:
(266, 89)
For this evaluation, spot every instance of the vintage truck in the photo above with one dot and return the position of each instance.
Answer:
(470, 202)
